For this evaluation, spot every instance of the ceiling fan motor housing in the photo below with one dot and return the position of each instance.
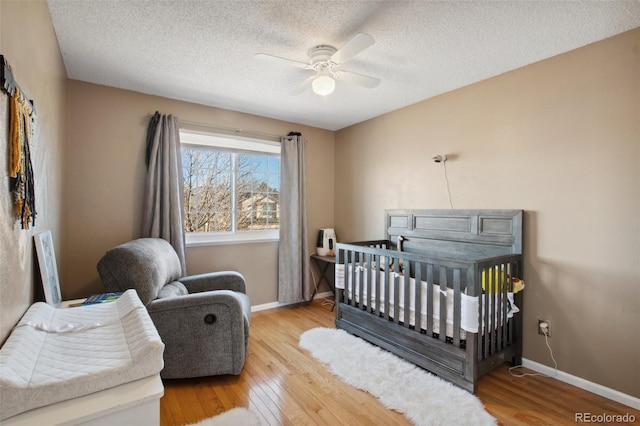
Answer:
(321, 54)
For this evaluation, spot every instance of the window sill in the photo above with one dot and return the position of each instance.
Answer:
(214, 239)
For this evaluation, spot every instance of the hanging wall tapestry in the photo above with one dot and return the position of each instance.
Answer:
(22, 116)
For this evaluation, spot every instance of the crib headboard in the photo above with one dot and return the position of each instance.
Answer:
(458, 233)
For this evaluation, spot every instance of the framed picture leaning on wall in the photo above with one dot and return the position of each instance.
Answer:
(48, 267)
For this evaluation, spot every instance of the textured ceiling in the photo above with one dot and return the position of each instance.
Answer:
(203, 51)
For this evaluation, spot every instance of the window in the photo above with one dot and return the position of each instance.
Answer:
(231, 188)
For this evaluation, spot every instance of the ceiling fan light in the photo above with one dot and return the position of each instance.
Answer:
(323, 85)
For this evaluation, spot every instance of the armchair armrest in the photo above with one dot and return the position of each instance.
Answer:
(193, 301)
(225, 280)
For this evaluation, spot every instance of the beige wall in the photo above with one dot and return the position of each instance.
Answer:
(559, 139)
(105, 180)
(29, 45)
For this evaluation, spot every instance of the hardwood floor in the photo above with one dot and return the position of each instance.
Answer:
(286, 386)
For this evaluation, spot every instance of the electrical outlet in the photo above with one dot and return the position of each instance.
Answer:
(541, 328)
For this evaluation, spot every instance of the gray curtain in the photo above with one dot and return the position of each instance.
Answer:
(163, 205)
(294, 278)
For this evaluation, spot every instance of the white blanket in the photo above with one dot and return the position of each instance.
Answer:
(54, 354)
(469, 304)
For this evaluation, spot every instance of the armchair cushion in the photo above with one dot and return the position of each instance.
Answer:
(173, 289)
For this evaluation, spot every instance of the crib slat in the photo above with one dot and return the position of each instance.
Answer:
(407, 298)
(497, 308)
(387, 285)
(485, 319)
(343, 261)
(492, 311)
(473, 346)
(352, 265)
(379, 284)
(495, 312)
(500, 306)
(504, 311)
(350, 276)
(511, 330)
(418, 296)
(443, 303)
(369, 269)
(347, 276)
(338, 293)
(430, 283)
(361, 276)
(457, 311)
(354, 278)
(513, 273)
(376, 277)
(393, 290)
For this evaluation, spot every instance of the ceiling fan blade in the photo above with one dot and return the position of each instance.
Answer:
(303, 87)
(271, 58)
(357, 44)
(359, 79)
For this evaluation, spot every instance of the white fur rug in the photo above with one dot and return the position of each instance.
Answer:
(235, 417)
(401, 386)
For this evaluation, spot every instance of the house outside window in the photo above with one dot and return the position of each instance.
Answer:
(231, 188)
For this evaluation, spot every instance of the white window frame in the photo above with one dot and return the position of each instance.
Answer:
(235, 144)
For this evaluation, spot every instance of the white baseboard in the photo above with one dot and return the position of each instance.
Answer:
(581, 383)
(272, 305)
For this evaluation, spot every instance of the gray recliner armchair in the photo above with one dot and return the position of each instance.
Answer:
(203, 320)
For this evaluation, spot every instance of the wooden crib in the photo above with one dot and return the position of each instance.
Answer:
(455, 273)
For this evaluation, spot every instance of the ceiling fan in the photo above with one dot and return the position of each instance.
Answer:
(326, 62)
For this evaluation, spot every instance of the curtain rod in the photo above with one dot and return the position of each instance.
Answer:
(231, 129)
